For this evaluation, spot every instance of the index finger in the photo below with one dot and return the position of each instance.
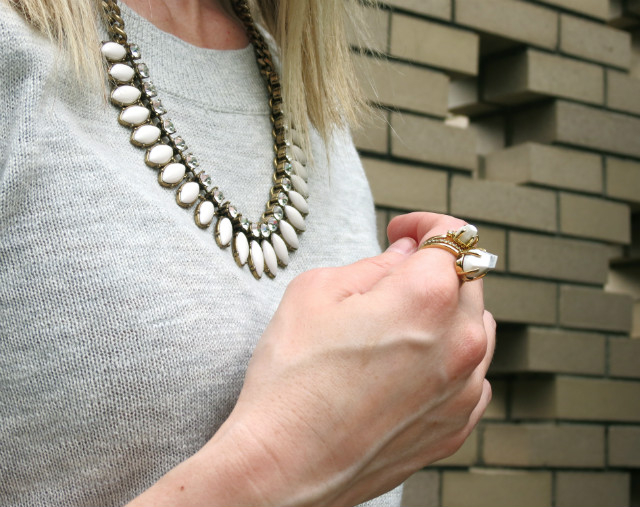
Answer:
(421, 225)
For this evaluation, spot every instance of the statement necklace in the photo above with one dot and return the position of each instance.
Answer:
(264, 244)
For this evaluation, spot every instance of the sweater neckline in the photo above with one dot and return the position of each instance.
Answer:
(222, 80)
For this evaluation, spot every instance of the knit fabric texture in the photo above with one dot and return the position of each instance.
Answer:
(125, 331)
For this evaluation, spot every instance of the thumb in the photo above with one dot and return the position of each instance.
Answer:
(359, 277)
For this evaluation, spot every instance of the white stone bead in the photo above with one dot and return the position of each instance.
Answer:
(270, 258)
(204, 213)
(300, 185)
(125, 95)
(145, 135)
(298, 154)
(295, 218)
(478, 259)
(224, 232)
(256, 259)
(172, 173)
(466, 233)
(298, 201)
(133, 116)
(113, 51)
(241, 249)
(121, 72)
(188, 193)
(300, 170)
(289, 234)
(280, 248)
(160, 154)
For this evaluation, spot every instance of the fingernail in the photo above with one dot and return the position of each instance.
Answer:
(404, 246)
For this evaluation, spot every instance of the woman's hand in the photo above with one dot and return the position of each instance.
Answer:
(365, 374)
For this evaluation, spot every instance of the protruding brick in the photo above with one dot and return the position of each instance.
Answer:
(623, 92)
(624, 357)
(518, 21)
(579, 125)
(497, 488)
(467, 455)
(541, 445)
(624, 446)
(503, 203)
(592, 489)
(576, 398)
(531, 74)
(545, 350)
(623, 179)
(555, 257)
(403, 86)
(406, 187)
(423, 42)
(432, 141)
(587, 308)
(595, 41)
(491, 132)
(520, 300)
(422, 489)
(373, 135)
(375, 36)
(433, 8)
(540, 164)
(592, 217)
(595, 8)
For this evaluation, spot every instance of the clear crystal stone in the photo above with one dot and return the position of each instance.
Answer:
(287, 168)
(218, 196)
(135, 51)
(150, 89)
(168, 126)
(191, 161)
(143, 70)
(179, 143)
(255, 230)
(244, 223)
(286, 184)
(283, 199)
(157, 106)
(232, 210)
(206, 180)
(264, 230)
(277, 212)
(272, 224)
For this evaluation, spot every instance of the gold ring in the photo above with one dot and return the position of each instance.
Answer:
(471, 263)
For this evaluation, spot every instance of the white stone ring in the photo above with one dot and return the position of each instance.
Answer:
(471, 263)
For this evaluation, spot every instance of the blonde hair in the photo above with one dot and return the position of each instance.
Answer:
(317, 75)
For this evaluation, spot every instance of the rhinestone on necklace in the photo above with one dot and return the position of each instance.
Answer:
(264, 244)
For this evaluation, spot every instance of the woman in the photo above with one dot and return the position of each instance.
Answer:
(127, 328)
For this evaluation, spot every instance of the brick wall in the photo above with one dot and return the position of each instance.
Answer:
(523, 117)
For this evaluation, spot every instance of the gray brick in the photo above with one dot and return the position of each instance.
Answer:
(521, 301)
(532, 74)
(433, 141)
(503, 203)
(407, 187)
(595, 8)
(579, 125)
(555, 257)
(422, 41)
(593, 217)
(623, 92)
(434, 8)
(623, 179)
(587, 308)
(595, 41)
(592, 489)
(544, 350)
(532, 163)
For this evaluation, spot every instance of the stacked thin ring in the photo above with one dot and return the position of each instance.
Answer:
(472, 263)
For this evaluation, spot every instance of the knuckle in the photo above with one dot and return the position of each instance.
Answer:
(442, 293)
(310, 280)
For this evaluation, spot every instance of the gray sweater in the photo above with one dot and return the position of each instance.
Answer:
(125, 330)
